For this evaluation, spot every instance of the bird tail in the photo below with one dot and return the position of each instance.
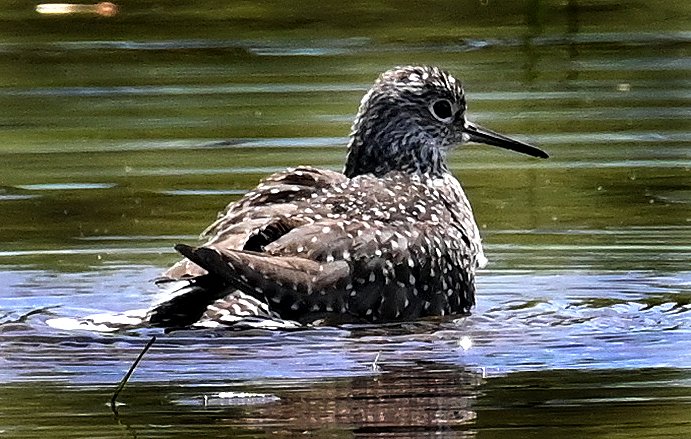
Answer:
(203, 303)
(184, 304)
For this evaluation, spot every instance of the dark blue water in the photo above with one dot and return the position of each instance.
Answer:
(122, 136)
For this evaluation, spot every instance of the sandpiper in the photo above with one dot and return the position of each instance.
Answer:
(391, 238)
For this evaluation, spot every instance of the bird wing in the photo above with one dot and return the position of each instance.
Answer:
(260, 216)
(352, 247)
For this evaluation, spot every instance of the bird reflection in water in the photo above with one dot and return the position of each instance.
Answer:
(418, 399)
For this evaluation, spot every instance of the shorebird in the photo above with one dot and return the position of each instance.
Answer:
(391, 238)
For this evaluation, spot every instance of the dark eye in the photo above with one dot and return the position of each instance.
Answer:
(442, 110)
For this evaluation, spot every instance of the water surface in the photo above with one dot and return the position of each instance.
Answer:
(121, 137)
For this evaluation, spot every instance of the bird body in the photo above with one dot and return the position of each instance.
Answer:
(391, 238)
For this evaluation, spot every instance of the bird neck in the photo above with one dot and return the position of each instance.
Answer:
(377, 151)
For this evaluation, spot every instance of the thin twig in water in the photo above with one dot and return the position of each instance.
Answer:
(375, 366)
(129, 374)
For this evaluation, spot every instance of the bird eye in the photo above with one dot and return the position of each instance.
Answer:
(442, 110)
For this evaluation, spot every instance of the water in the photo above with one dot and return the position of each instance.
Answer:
(120, 137)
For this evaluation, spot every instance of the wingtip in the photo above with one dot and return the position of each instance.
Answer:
(207, 258)
(184, 249)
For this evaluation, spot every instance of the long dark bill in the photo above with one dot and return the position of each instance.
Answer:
(483, 135)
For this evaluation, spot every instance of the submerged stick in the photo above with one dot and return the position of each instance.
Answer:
(129, 374)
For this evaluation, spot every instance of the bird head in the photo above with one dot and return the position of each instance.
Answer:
(409, 120)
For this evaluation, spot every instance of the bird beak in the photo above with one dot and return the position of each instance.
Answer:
(478, 134)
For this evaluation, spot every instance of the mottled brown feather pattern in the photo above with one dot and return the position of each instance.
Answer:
(392, 238)
(274, 198)
(353, 246)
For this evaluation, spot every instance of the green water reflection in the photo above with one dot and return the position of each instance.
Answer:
(122, 136)
(413, 402)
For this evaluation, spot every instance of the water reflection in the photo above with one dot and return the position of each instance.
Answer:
(425, 400)
(123, 136)
(104, 9)
(421, 400)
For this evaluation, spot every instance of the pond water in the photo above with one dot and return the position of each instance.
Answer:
(121, 136)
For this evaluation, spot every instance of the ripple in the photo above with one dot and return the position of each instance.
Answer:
(85, 251)
(136, 238)
(228, 399)
(65, 186)
(191, 192)
(15, 197)
(183, 90)
(522, 322)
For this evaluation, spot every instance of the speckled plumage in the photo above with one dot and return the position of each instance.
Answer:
(391, 238)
